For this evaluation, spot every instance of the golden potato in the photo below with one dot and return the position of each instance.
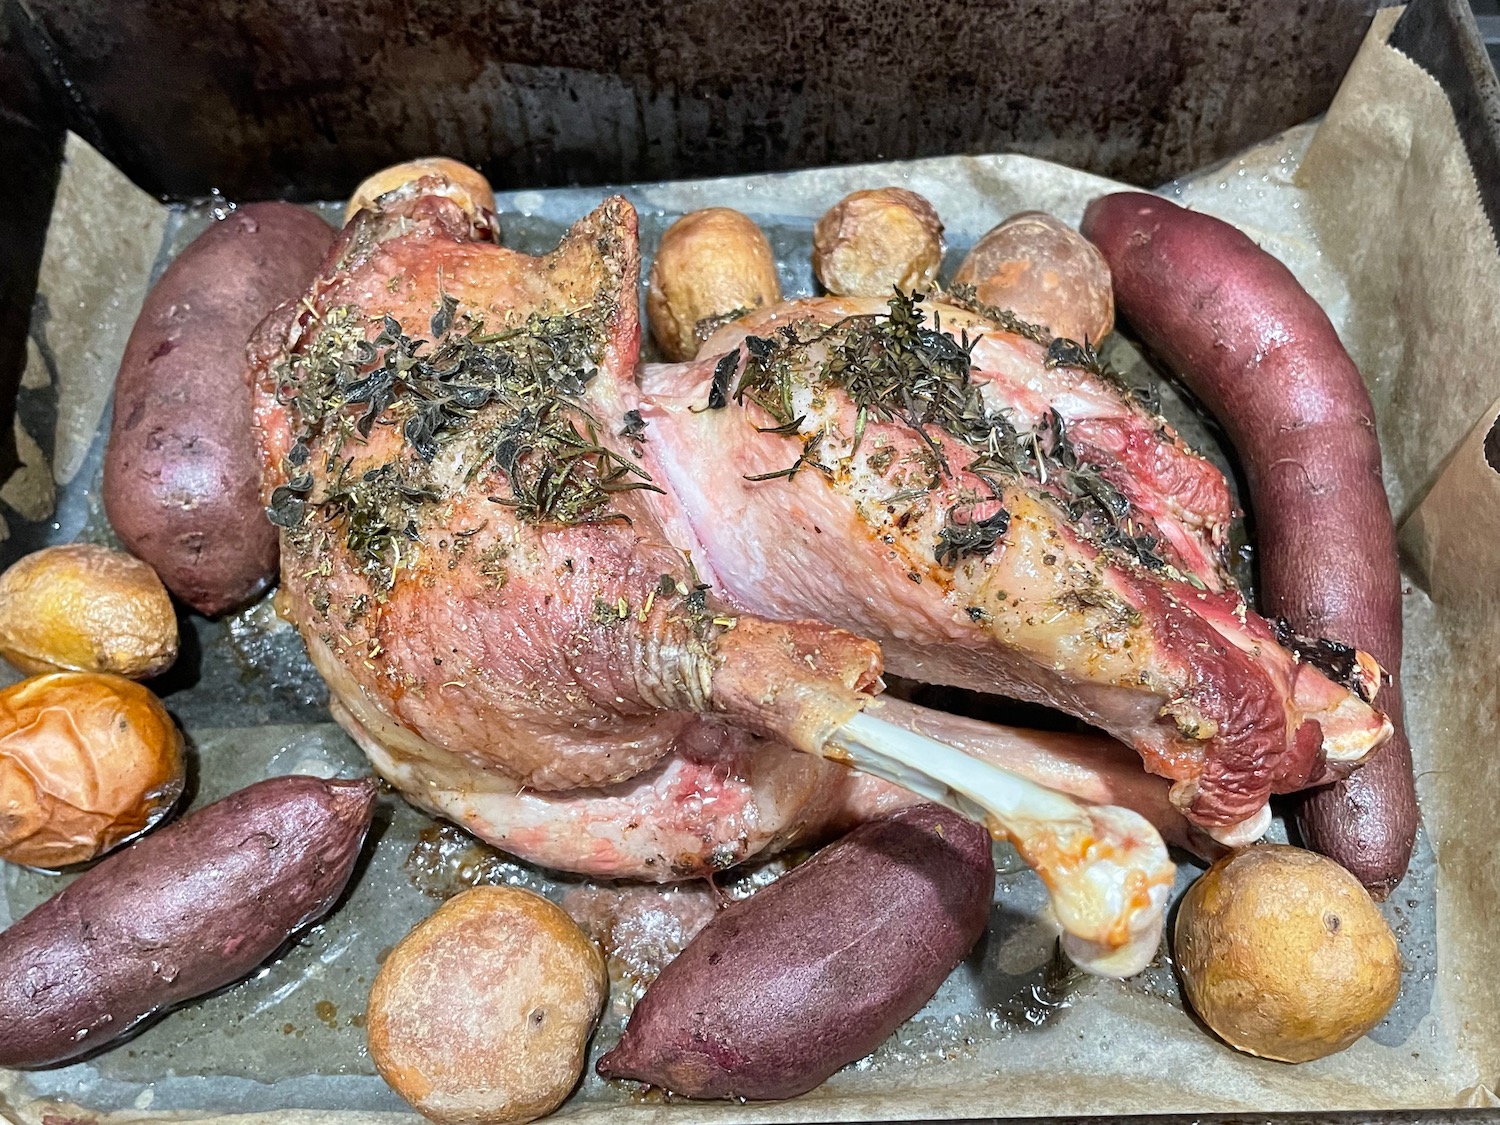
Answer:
(1045, 272)
(1284, 954)
(87, 762)
(871, 242)
(464, 185)
(482, 1014)
(84, 608)
(710, 265)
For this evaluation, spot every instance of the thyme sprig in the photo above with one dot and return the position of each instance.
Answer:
(516, 394)
(897, 368)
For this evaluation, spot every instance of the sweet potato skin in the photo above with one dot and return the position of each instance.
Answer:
(181, 477)
(178, 914)
(1233, 323)
(815, 971)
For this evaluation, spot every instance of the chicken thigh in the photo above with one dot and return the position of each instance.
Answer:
(1001, 516)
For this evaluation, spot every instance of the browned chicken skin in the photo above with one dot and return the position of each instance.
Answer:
(464, 544)
(478, 549)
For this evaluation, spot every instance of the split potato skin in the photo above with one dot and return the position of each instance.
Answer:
(871, 242)
(482, 1014)
(87, 763)
(464, 185)
(1284, 954)
(1046, 273)
(710, 265)
(84, 608)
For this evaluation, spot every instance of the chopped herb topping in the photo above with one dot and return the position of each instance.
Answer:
(724, 371)
(961, 537)
(897, 368)
(513, 395)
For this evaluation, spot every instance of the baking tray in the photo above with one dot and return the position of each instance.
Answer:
(254, 706)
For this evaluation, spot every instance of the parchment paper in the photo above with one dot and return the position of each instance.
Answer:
(1420, 254)
(1010, 1034)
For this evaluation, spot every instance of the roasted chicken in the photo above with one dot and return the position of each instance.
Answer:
(620, 627)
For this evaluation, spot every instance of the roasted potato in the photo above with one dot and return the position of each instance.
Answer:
(1284, 954)
(184, 911)
(871, 242)
(87, 762)
(464, 185)
(783, 988)
(710, 265)
(482, 1014)
(83, 608)
(1046, 273)
(181, 470)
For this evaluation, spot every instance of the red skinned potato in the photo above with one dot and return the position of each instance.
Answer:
(783, 988)
(1045, 272)
(1233, 323)
(181, 476)
(178, 914)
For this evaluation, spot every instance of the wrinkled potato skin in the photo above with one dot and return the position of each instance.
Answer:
(466, 187)
(1045, 272)
(1284, 954)
(710, 264)
(82, 608)
(87, 762)
(482, 1014)
(873, 241)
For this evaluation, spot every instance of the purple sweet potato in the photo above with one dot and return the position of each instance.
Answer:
(783, 988)
(181, 473)
(1233, 323)
(180, 913)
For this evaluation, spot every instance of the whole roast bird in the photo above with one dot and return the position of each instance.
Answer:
(633, 624)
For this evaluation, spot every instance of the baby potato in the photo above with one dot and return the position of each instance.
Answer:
(466, 187)
(710, 265)
(1284, 954)
(84, 608)
(87, 762)
(1045, 272)
(871, 242)
(482, 1014)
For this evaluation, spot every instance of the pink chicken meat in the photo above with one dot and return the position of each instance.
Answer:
(501, 623)
(498, 550)
(1002, 517)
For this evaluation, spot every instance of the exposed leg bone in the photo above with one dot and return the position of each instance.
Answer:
(1091, 767)
(1105, 867)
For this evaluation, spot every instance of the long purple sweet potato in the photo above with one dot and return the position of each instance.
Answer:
(181, 473)
(1233, 323)
(815, 971)
(180, 913)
